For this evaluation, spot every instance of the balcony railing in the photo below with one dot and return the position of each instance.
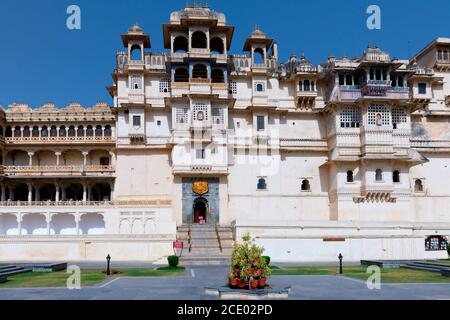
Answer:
(72, 170)
(87, 140)
(71, 203)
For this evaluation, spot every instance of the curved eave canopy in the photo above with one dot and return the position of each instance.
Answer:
(126, 38)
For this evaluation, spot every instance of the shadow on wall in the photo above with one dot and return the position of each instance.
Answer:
(419, 131)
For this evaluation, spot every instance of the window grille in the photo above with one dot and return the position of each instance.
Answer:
(350, 117)
(398, 116)
(232, 87)
(136, 82)
(181, 115)
(218, 115)
(200, 112)
(164, 85)
(378, 115)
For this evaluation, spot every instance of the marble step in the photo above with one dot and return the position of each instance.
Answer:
(202, 260)
(14, 271)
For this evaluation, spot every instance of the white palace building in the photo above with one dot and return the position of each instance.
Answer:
(351, 156)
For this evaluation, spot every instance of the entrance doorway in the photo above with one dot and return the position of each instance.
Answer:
(200, 210)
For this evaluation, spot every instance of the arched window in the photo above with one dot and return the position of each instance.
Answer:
(53, 132)
(217, 76)
(80, 131)
(71, 132)
(313, 86)
(259, 87)
(199, 40)
(350, 176)
(17, 132)
(300, 85)
(180, 43)
(136, 53)
(181, 75)
(200, 71)
(89, 131)
(98, 131)
(306, 85)
(400, 82)
(379, 175)
(8, 131)
(258, 56)
(262, 185)
(216, 45)
(108, 131)
(35, 132)
(1, 131)
(44, 132)
(26, 131)
(396, 176)
(418, 185)
(306, 186)
(62, 131)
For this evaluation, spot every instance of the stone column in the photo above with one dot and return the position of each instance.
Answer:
(30, 154)
(113, 158)
(58, 155)
(111, 197)
(77, 223)
(84, 191)
(56, 192)
(30, 192)
(48, 219)
(85, 155)
(19, 223)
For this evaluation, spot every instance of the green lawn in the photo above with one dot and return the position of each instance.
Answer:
(89, 277)
(358, 272)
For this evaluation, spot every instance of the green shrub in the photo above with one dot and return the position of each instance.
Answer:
(448, 250)
(267, 259)
(173, 261)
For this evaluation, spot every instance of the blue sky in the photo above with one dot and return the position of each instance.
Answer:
(42, 61)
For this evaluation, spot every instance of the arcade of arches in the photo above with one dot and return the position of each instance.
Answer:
(59, 190)
(27, 224)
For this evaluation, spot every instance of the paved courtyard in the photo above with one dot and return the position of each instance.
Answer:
(192, 285)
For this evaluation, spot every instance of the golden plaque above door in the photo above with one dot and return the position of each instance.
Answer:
(200, 187)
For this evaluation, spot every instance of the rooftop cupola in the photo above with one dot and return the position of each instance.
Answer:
(259, 45)
(136, 41)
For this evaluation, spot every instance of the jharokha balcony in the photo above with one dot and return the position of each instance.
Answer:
(59, 171)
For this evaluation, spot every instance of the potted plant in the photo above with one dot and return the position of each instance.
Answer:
(243, 281)
(248, 265)
(254, 283)
(233, 280)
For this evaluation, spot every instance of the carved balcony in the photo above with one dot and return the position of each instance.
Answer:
(376, 88)
(59, 140)
(60, 171)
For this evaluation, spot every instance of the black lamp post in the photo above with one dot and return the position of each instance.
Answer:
(108, 260)
(340, 262)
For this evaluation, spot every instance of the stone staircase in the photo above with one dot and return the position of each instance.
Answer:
(13, 270)
(205, 244)
(441, 268)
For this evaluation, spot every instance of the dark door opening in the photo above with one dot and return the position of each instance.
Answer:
(200, 210)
